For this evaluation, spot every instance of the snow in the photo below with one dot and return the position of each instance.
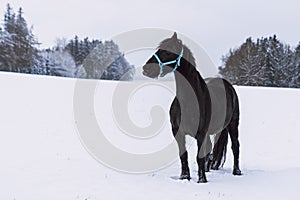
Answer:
(42, 157)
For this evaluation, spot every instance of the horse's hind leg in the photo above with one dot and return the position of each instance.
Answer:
(208, 150)
(233, 132)
(185, 171)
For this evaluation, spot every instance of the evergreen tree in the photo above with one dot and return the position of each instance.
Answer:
(80, 49)
(120, 69)
(248, 64)
(107, 62)
(61, 63)
(296, 71)
(76, 50)
(245, 57)
(297, 50)
(9, 20)
(19, 53)
(97, 61)
(7, 55)
(229, 70)
(268, 62)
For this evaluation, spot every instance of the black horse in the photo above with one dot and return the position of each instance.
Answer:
(201, 108)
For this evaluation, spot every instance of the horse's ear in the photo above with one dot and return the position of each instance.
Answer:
(174, 37)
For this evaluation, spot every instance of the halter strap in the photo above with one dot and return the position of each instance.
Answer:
(163, 64)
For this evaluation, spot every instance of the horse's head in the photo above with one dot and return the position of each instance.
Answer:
(166, 59)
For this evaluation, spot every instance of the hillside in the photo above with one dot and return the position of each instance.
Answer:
(42, 156)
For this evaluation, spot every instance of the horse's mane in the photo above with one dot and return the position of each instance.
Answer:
(169, 43)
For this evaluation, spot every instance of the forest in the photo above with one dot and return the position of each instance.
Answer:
(92, 59)
(266, 62)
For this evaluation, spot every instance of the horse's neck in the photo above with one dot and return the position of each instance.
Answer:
(188, 81)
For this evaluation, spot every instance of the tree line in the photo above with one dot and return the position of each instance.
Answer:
(264, 62)
(76, 58)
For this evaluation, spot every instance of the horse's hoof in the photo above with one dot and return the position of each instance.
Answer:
(237, 172)
(185, 177)
(208, 162)
(214, 168)
(207, 167)
(202, 180)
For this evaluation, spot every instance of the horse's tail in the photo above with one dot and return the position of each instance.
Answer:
(220, 149)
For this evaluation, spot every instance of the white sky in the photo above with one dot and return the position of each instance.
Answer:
(216, 25)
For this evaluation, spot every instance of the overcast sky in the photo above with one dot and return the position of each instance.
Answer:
(216, 25)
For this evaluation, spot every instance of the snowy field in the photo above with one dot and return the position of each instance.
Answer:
(42, 158)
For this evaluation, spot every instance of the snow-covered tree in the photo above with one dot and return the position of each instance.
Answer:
(268, 62)
(80, 72)
(58, 63)
(7, 55)
(21, 54)
(80, 49)
(295, 71)
(107, 62)
(120, 69)
(250, 70)
(60, 43)
(241, 65)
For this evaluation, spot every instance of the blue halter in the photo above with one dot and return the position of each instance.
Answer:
(162, 65)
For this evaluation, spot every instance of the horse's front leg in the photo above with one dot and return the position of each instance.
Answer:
(201, 170)
(204, 147)
(180, 139)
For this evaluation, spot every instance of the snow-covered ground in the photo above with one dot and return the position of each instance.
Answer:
(41, 155)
